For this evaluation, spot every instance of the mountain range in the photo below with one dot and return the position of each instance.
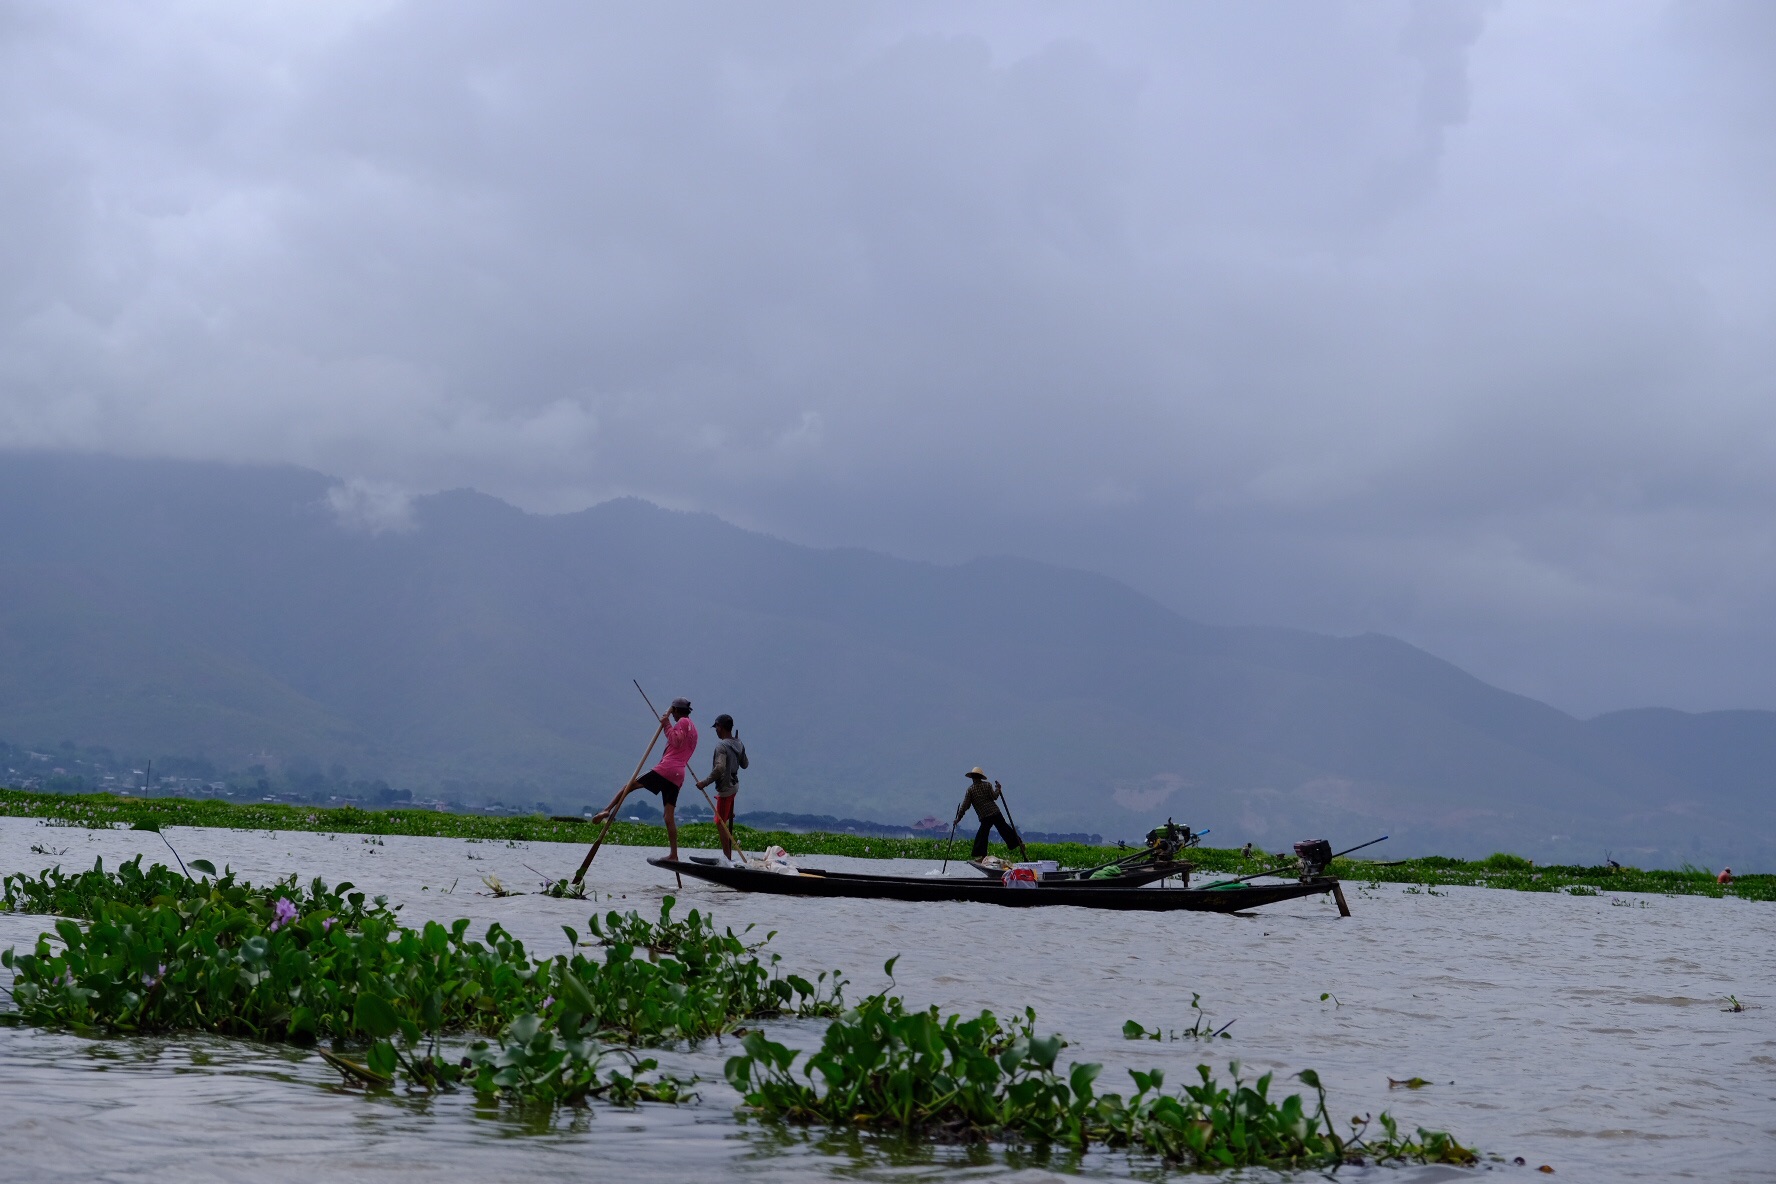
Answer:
(258, 615)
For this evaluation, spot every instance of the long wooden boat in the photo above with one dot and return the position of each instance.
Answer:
(814, 882)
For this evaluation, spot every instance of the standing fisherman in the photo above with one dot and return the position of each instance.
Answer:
(729, 758)
(984, 796)
(667, 777)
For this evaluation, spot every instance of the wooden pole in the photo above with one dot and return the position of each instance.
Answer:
(721, 828)
(950, 842)
(1285, 867)
(616, 802)
(687, 773)
(719, 824)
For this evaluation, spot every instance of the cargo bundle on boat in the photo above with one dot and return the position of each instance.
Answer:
(1158, 860)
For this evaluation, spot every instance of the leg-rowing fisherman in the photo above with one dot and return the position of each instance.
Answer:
(984, 796)
(667, 777)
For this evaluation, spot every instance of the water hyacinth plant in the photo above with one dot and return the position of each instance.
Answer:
(1202, 1029)
(884, 1067)
(533, 1063)
(79, 894)
(301, 965)
(247, 969)
(289, 963)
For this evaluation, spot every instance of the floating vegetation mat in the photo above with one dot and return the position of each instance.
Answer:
(884, 1066)
(153, 951)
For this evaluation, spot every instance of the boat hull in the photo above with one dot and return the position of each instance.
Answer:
(814, 882)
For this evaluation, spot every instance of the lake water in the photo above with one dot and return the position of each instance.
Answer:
(1586, 1033)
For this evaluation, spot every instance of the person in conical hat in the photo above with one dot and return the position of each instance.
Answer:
(984, 796)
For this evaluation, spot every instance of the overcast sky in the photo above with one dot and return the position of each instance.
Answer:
(1449, 320)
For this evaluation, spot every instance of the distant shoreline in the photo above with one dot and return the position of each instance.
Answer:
(108, 811)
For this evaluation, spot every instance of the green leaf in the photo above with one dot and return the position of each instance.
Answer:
(374, 1015)
(382, 1058)
(575, 994)
(888, 966)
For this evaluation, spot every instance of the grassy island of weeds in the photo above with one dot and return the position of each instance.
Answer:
(160, 952)
(884, 1067)
(1496, 871)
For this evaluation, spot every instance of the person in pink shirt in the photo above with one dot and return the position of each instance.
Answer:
(667, 777)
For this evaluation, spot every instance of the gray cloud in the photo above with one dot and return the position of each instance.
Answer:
(1445, 319)
(371, 506)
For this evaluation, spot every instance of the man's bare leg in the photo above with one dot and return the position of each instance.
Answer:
(671, 812)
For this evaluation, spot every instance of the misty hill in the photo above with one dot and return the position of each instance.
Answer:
(231, 614)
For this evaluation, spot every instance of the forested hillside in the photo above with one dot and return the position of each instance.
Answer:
(232, 616)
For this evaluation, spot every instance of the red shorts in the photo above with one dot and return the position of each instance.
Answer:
(724, 808)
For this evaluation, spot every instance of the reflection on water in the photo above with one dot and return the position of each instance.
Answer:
(1570, 1031)
(858, 1156)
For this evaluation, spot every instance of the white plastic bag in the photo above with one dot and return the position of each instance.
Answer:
(776, 859)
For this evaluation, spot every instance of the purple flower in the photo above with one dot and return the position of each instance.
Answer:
(548, 1003)
(326, 924)
(283, 913)
(153, 980)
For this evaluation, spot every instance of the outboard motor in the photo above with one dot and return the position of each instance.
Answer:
(1166, 841)
(1315, 856)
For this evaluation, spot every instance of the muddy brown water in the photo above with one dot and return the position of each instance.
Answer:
(1586, 1033)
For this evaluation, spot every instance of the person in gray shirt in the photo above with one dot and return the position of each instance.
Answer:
(729, 758)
